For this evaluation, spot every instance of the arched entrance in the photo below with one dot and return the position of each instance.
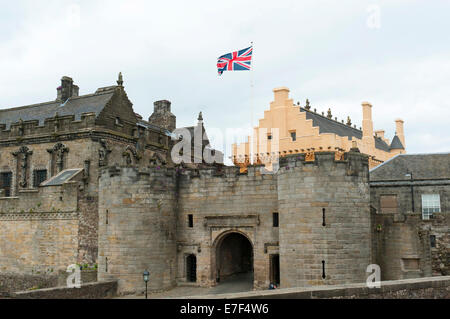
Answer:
(191, 268)
(234, 257)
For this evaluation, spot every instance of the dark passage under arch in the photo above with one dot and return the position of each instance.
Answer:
(234, 256)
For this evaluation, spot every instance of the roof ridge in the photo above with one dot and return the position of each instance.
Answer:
(56, 101)
(333, 120)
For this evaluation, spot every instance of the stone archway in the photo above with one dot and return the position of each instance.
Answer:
(233, 256)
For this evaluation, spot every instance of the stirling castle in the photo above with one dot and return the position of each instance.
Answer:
(86, 180)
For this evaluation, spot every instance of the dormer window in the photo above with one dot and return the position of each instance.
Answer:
(118, 121)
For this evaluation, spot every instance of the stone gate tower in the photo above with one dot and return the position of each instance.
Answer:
(137, 227)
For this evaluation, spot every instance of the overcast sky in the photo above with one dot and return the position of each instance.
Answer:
(394, 54)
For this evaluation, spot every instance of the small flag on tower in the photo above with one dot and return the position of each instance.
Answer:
(235, 61)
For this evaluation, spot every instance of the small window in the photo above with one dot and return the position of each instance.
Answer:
(191, 221)
(433, 241)
(275, 220)
(431, 203)
(118, 121)
(5, 183)
(294, 136)
(269, 137)
(39, 177)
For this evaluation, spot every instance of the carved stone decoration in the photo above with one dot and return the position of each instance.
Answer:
(157, 160)
(23, 152)
(57, 156)
(103, 153)
(130, 153)
(21, 127)
(310, 156)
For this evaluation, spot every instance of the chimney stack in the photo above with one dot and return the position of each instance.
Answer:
(67, 89)
(400, 131)
(162, 115)
(281, 96)
(367, 124)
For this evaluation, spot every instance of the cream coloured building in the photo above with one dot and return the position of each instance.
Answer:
(288, 129)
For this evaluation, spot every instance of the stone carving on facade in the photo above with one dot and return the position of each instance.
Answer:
(157, 160)
(310, 156)
(103, 153)
(129, 154)
(25, 152)
(21, 127)
(57, 153)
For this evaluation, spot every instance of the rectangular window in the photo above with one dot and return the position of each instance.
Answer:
(431, 203)
(5, 183)
(275, 220)
(294, 136)
(39, 176)
(433, 241)
(191, 221)
(269, 137)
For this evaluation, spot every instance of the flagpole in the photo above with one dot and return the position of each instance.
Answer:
(252, 85)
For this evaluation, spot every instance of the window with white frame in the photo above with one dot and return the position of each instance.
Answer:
(431, 203)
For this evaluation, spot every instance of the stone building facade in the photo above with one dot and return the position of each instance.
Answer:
(291, 129)
(410, 200)
(48, 216)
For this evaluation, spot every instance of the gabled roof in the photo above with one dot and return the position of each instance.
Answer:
(327, 125)
(422, 166)
(90, 103)
(396, 144)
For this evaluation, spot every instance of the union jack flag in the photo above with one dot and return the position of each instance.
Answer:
(235, 61)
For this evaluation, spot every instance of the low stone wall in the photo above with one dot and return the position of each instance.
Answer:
(10, 283)
(420, 288)
(95, 290)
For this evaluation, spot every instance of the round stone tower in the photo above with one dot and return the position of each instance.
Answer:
(137, 228)
(324, 219)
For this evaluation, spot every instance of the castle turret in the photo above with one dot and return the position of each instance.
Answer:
(324, 219)
(137, 229)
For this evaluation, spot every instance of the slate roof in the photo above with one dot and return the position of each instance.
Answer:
(422, 166)
(62, 177)
(74, 106)
(396, 144)
(327, 125)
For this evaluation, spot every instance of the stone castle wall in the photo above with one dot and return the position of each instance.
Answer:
(137, 227)
(324, 220)
(139, 210)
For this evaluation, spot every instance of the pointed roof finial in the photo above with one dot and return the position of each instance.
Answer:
(200, 117)
(120, 81)
(308, 106)
(329, 115)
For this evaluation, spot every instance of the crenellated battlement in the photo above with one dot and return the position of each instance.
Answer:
(55, 125)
